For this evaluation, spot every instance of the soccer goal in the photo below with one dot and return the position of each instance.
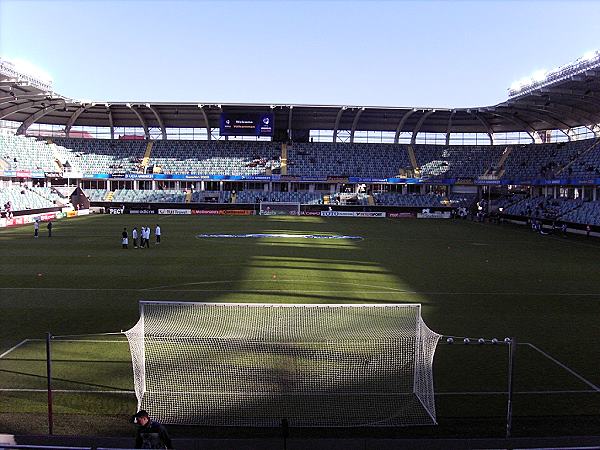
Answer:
(279, 209)
(225, 364)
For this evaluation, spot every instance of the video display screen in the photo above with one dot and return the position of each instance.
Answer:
(246, 124)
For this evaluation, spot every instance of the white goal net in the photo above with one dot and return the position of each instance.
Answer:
(255, 364)
(279, 209)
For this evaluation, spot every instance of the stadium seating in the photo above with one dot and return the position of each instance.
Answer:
(588, 214)
(437, 161)
(340, 159)
(542, 160)
(101, 155)
(207, 157)
(22, 198)
(158, 196)
(304, 198)
(27, 153)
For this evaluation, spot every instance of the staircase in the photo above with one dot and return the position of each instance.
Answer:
(585, 152)
(500, 164)
(188, 196)
(284, 159)
(413, 159)
(109, 196)
(146, 158)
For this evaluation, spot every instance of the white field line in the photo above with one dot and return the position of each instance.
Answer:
(276, 291)
(568, 369)
(14, 347)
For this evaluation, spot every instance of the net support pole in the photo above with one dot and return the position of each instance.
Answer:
(512, 349)
(49, 376)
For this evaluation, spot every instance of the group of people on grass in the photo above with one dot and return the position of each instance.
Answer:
(36, 228)
(143, 234)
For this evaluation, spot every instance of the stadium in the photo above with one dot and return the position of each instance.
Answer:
(329, 276)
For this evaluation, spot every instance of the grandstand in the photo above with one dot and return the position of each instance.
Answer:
(534, 156)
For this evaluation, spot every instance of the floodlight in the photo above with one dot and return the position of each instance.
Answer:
(540, 75)
(147, 105)
(589, 55)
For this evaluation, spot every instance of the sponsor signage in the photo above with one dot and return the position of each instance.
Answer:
(139, 176)
(427, 214)
(401, 215)
(206, 212)
(237, 212)
(142, 211)
(310, 213)
(115, 210)
(352, 214)
(175, 212)
(52, 175)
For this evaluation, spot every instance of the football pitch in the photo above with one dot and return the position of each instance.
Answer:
(475, 280)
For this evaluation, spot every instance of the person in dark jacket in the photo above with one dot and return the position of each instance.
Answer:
(150, 434)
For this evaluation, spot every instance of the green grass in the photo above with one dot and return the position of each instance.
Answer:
(472, 280)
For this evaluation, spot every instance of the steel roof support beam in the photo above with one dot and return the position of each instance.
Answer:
(401, 124)
(420, 123)
(111, 123)
(290, 122)
(449, 126)
(544, 115)
(552, 103)
(142, 121)
(208, 132)
(161, 124)
(16, 98)
(485, 123)
(355, 123)
(337, 122)
(576, 113)
(22, 107)
(38, 115)
(73, 118)
(517, 121)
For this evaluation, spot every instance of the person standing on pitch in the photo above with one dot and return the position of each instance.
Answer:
(36, 228)
(147, 237)
(149, 433)
(157, 233)
(125, 239)
(49, 226)
(142, 237)
(134, 236)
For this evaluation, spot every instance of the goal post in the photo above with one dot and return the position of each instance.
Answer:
(279, 209)
(231, 364)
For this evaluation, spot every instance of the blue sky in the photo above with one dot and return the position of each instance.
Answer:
(393, 53)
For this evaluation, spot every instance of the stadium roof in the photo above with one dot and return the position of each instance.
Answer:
(560, 102)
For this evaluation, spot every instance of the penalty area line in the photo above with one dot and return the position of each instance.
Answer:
(568, 369)
(13, 348)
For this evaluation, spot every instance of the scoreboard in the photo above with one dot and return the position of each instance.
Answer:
(246, 124)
